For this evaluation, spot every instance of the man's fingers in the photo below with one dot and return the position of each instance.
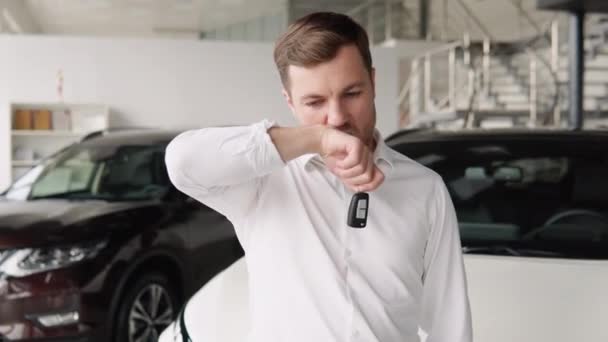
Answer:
(374, 184)
(364, 177)
(356, 170)
(354, 156)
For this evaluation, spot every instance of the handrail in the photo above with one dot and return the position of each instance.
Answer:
(551, 67)
(405, 90)
(543, 101)
(406, 87)
(447, 99)
(415, 72)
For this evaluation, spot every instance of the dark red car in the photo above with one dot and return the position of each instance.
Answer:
(96, 244)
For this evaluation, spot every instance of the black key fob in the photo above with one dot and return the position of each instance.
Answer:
(357, 211)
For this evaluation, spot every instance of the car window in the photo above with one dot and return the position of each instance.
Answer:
(98, 172)
(132, 172)
(526, 202)
(73, 174)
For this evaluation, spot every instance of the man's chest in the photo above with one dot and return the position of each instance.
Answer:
(306, 217)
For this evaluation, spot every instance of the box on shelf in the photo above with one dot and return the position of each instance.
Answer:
(22, 119)
(57, 125)
(42, 119)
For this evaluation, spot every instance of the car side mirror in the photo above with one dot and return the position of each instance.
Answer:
(512, 174)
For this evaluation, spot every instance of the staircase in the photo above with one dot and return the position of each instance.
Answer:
(502, 86)
(526, 82)
(512, 91)
(521, 82)
(595, 83)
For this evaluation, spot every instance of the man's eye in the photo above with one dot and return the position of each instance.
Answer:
(353, 93)
(313, 104)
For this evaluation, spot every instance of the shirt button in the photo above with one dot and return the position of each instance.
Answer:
(348, 253)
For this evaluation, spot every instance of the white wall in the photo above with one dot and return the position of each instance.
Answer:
(164, 83)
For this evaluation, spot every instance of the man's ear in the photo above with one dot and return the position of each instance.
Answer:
(289, 101)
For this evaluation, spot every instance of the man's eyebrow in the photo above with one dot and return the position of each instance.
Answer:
(354, 85)
(316, 96)
(310, 97)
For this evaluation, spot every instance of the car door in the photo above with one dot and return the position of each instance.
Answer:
(211, 244)
(533, 219)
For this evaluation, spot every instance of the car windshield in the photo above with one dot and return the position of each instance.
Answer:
(112, 173)
(525, 199)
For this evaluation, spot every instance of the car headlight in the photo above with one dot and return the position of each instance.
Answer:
(27, 261)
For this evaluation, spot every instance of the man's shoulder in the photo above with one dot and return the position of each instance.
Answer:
(406, 167)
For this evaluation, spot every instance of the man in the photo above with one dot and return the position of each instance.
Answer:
(287, 192)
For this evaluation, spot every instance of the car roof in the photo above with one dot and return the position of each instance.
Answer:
(130, 137)
(140, 136)
(430, 135)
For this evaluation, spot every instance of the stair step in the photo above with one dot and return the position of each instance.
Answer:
(599, 61)
(590, 104)
(590, 76)
(503, 79)
(594, 103)
(589, 67)
(590, 47)
(517, 106)
(506, 89)
(503, 74)
(505, 98)
(590, 89)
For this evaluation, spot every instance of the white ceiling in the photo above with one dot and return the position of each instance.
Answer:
(144, 17)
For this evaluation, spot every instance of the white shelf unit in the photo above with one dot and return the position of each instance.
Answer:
(28, 146)
(47, 134)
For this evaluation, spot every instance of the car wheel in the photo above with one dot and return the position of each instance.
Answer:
(146, 309)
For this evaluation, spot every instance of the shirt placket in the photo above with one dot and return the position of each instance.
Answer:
(352, 332)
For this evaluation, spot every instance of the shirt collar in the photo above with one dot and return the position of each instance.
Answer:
(382, 156)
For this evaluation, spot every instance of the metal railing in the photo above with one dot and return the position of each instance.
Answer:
(416, 96)
(535, 79)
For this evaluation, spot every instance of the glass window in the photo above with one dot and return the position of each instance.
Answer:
(526, 201)
(97, 172)
(71, 175)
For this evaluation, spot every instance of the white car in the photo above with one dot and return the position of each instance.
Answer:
(533, 214)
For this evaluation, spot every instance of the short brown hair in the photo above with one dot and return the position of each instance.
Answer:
(316, 38)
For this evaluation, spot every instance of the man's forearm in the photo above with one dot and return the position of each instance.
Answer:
(221, 156)
(292, 142)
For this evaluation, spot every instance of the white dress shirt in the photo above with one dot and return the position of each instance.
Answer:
(311, 276)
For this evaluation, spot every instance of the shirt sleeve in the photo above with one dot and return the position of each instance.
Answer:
(223, 167)
(446, 314)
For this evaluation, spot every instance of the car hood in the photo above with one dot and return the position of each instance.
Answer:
(28, 222)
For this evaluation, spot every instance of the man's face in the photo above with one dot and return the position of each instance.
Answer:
(338, 93)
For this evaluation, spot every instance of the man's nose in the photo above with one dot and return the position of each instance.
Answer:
(336, 116)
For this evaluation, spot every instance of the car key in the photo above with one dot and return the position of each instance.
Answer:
(357, 211)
